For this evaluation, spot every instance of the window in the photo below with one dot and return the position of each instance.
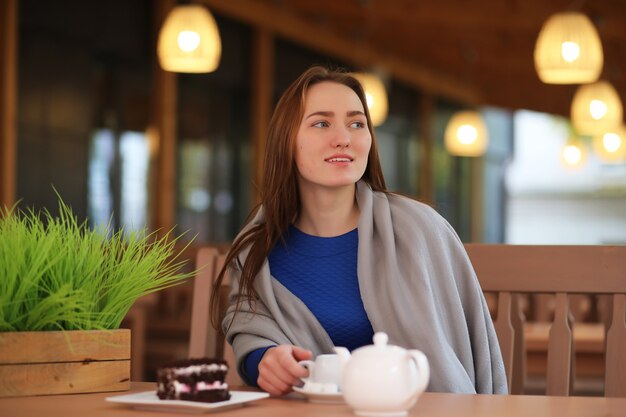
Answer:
(118, 180)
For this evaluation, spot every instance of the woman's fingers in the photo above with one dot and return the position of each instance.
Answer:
(267, 386)
(275, 375)
(279, 370)
(290, 365)
(301, 354)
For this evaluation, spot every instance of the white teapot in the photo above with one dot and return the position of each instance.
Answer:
(382, 379)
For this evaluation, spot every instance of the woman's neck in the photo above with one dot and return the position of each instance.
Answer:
(328, 212)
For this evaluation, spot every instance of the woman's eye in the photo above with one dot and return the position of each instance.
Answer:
(321, 124)
(357, 125)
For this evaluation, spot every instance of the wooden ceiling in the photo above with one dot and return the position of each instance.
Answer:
(477, 52)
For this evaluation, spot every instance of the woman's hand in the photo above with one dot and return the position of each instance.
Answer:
(279, 369)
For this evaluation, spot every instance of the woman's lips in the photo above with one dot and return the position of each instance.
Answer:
(339, 158)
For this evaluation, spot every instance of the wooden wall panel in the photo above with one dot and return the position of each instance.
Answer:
(163, 135)
(8, 100)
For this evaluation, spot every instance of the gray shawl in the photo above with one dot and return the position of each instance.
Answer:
(417, 285)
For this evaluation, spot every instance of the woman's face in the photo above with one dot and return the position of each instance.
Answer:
(333, 141)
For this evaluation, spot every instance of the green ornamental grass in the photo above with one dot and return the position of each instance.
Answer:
(58, 274)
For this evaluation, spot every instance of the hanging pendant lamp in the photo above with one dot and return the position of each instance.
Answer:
(611, 146)
(466, 134)
(596, 108)
(376, 96)
(568, 50)
(189, 41)
(574, 153)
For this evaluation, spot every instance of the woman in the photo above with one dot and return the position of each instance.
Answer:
(331, 256)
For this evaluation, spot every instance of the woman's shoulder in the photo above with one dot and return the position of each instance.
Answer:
(411, 217)
(404, 205)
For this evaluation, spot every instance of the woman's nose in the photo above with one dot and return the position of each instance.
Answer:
(341, 137)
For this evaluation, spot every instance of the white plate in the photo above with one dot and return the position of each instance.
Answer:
(320, 397)
(148, 400)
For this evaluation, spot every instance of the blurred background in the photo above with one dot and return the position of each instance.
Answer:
(87, 107)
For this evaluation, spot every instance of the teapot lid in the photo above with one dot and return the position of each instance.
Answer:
(379, 349)
(380, 339)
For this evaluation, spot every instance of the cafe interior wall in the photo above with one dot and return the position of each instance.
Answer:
(88, 66)
(84, 68)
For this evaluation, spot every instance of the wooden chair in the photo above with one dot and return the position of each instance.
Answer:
(511, 270)
(204, 339)
(508, 271)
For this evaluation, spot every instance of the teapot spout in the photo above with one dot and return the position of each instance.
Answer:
(344, 356)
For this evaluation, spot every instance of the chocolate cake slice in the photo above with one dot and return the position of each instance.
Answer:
(200, 379)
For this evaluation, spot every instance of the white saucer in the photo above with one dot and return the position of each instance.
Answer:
(148, 400)
(321, 397)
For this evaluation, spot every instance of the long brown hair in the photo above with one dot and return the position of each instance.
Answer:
(279, 193)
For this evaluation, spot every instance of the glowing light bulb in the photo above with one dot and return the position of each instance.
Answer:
(572, 155)
(467, 134)
(611, 142)
(188, 40)
(370, 100)
(375, 96)
(570, 51)
(598, 109)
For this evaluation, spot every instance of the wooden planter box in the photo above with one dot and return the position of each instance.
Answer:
(64, 362)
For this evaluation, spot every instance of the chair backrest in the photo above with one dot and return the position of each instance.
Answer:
(508, 271)
(204, 339)
(511, 270)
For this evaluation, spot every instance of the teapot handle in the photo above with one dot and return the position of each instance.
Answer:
(423, 370)
(308, 364)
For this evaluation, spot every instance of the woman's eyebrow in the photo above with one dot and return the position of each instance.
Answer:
(321, 113)
(351, 113)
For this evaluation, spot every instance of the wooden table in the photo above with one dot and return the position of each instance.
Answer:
(429, 405)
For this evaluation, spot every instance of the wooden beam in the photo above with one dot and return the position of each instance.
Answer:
(463, 17)
(8, 100)
(477, 199)
(262, 96)
(425, 174)
(469, 17)
(279, 21)
(163, 124)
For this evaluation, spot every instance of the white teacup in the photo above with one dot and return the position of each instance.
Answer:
(324, 374)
